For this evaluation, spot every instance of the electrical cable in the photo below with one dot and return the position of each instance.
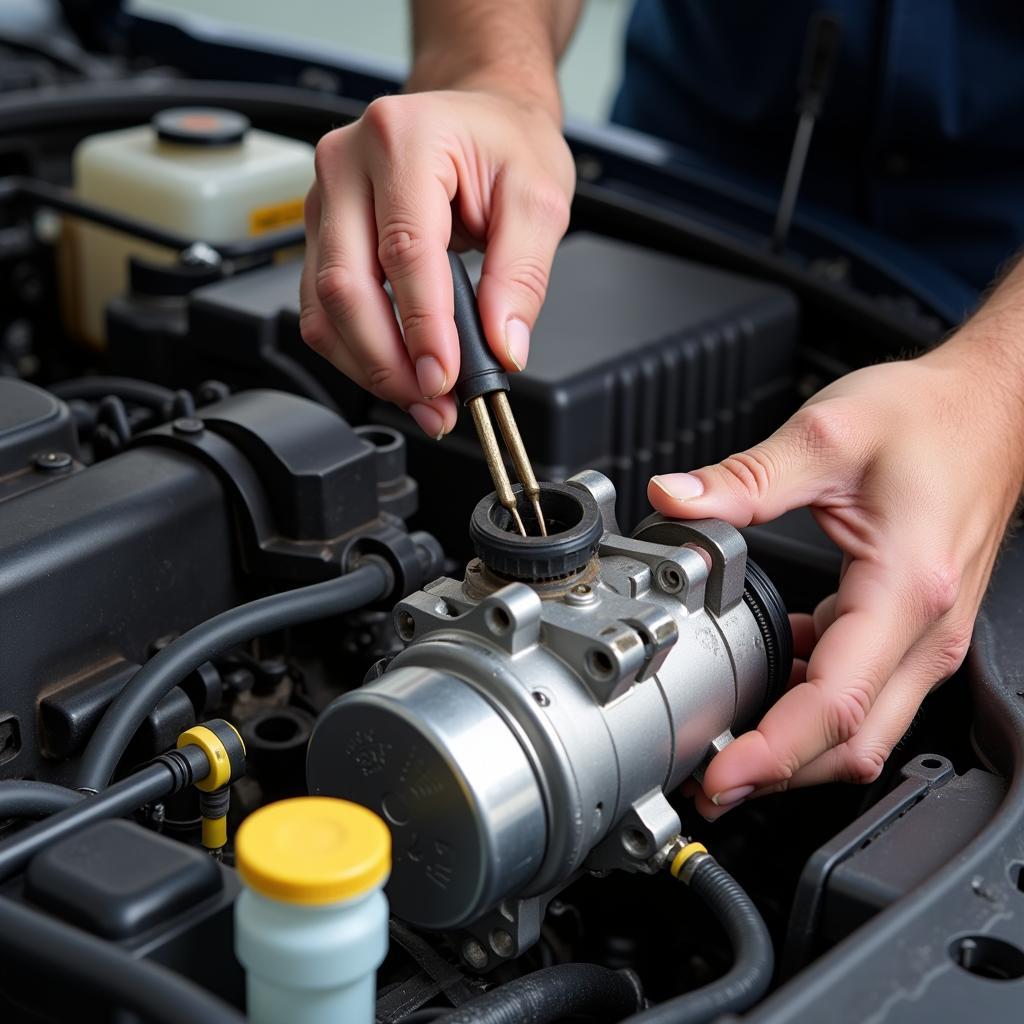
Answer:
(364, 585)
(29, 798)
(170, 773)
(37, 941)
(753, 956)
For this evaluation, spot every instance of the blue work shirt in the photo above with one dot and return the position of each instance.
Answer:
(922, 134)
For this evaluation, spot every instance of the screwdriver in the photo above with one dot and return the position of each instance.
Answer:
(481, 378)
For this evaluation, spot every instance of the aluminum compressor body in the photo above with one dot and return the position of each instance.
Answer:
(546, 703)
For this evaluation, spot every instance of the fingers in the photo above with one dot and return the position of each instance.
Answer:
(818, 454)
(412, 209)
(861, 758)
(805, 634)
(527, 223)
(346, 314)
(877, 621)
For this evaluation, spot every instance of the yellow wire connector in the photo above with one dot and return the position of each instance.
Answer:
(225, 753)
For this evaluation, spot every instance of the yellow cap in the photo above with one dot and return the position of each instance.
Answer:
(313, 850)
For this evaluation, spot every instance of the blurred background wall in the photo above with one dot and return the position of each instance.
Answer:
(380, 28)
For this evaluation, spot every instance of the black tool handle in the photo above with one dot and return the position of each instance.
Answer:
(479, 372)
(821, 54)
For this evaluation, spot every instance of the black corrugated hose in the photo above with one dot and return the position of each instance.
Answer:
(552, 994)
(753, 956)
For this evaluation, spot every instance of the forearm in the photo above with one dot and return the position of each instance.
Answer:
(989, 347)
(514, 47)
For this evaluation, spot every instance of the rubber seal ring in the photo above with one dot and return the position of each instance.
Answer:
(574, 526)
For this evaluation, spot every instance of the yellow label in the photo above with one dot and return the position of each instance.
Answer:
(275, 217)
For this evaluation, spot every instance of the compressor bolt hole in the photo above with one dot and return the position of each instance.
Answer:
(498, 620)
(670, 579)
(600, 664)
(635, 843)
(406, 626)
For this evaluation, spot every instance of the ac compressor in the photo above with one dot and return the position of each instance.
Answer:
(544, 705)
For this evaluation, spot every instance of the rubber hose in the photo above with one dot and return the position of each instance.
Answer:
(168, 774)
(128, 389)
(29, 798)
(753, 956)
(552, 994)
(363, 586)
(38, 943)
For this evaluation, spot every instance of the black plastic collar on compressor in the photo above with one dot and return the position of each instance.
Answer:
(765, 604)
(574, 526)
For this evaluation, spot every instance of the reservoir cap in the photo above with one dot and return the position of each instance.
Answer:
(200, 126)
(313, 850)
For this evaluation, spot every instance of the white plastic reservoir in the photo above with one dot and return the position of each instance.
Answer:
(311, 923)
(201, 172)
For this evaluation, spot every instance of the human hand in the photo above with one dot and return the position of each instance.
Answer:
(415, 173)
(913, 469)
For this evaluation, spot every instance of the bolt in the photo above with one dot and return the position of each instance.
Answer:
(474, 954)
(187, 425)
(502, 944)
(53, 462)
(581, 594)
(541, 698)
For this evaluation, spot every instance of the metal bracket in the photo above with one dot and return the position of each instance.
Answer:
(617, 643)
(509, 618)
(504, 932)
(723, 543)
(644, 829)
(678, 571)
(602, 490)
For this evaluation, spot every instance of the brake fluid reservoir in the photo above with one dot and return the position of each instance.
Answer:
(201, 172)
(311, 923)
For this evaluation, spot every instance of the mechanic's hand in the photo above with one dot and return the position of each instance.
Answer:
(913, 469)
(414, 173)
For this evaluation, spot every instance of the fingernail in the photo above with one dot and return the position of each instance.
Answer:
(723, 811)
(430, 421)
(431, 376)
(731, 796)
(517, 342)
(682, 486)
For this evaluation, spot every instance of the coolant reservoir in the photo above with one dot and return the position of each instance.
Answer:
(202, 172)
(311, 922)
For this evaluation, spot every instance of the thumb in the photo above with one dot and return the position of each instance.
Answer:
(812, 456)
(527, 223)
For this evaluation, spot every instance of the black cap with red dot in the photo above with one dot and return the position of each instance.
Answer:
(200, 126)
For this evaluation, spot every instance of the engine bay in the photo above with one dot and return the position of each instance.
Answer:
(230, 579)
